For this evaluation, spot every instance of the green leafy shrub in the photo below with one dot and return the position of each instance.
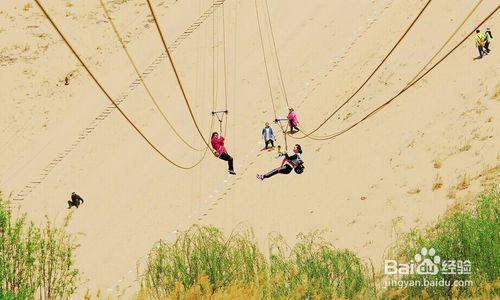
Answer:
(472, 235)
(316, 269)
(202, 263)
(35, 262)
(202, 252)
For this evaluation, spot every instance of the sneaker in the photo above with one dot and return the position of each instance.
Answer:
(261, 177)
(232, 172)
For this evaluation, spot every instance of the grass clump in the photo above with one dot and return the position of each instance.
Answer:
(202, 263)
(438, 183)
(35, 262)
(472, 235)
(452, 193)
(496, 93)
(313, 268)
(463, 182)
(465, 147)
(203, 259)
(437, 164)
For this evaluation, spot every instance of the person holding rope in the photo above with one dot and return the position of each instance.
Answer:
(293, 162)
(221, 152)
(293, 121)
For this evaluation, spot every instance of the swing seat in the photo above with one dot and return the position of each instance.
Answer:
(299, 169)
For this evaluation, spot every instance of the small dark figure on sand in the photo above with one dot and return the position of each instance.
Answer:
(76, 200)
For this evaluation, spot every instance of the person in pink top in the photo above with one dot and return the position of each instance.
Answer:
(293, 121)
(221, 152)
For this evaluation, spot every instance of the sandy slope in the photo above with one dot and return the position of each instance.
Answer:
(358, 187)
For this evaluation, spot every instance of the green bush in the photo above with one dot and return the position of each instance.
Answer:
(472, 235)
(314, 268)
(202, 251)
(202, 263)
(35, 262)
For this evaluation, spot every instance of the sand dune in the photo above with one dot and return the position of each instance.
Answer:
(360, 187)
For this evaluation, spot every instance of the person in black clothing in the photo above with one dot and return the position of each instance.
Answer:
(488, 35)
(76, 200)
(488, 31)
(289, 163)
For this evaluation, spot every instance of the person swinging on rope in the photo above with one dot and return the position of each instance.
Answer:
(293, 162)
(221, 152)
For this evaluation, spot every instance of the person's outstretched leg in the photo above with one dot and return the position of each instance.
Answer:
(229, 159)
(286, 169)
(271, 173)
(230, 164)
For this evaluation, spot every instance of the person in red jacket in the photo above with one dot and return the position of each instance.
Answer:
(293, 121)
(221, 152)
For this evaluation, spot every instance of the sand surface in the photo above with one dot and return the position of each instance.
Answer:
(361, 187)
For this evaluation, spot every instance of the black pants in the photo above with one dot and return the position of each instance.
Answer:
(75, 202)
(292, 127)
(286, 169)
(270, 141)
(229, 159)
(487, 46)
(481, 51)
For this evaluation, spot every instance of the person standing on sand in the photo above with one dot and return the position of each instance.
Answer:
(288, 164)
(487, 36)
(293, 121)
(488, 32)
(268, 135)
(221, 152)
(76, 200)
(479, 38)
